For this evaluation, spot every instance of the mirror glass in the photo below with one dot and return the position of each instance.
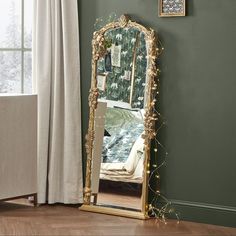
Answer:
(121, 73)
(118, 153)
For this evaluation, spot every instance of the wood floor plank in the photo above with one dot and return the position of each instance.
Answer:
(20, 219)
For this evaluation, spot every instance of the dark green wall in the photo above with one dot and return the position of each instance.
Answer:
(198, 95)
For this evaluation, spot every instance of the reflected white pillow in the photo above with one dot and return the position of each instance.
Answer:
(134, 155)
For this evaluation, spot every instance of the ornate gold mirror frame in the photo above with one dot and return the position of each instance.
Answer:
(98, 50)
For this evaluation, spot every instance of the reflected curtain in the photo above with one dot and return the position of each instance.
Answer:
(56, 79)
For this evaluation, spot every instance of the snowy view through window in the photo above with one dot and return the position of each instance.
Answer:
(15, 46)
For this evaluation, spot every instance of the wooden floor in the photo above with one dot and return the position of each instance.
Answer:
(18, 219)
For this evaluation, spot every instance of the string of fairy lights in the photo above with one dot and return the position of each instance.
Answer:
(159, 207)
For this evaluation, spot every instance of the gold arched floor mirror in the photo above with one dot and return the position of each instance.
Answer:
(121, 119)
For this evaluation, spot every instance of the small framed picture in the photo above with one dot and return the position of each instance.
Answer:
(127, 75)
(107, 62)
(115, 55)
(168, 8)
(101, 81)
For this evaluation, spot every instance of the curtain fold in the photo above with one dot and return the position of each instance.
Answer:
(56, 80)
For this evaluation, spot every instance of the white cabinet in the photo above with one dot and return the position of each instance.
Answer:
(18, 146)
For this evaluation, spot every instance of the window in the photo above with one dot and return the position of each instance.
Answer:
(15, 46)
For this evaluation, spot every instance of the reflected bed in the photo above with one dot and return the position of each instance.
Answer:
(122, 155)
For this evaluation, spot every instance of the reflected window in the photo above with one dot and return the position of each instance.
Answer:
(15, 46)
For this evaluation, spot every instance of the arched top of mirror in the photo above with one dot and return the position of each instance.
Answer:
(126, 82)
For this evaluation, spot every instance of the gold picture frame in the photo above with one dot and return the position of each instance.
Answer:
(101, 81)
(171, 8)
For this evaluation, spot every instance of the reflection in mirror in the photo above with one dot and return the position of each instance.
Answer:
(125, 65)
(121, 157)
(119, 120)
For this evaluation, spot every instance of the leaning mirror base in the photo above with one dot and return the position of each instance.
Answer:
(114, 211)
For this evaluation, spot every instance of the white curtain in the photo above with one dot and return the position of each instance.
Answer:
(56, 78)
